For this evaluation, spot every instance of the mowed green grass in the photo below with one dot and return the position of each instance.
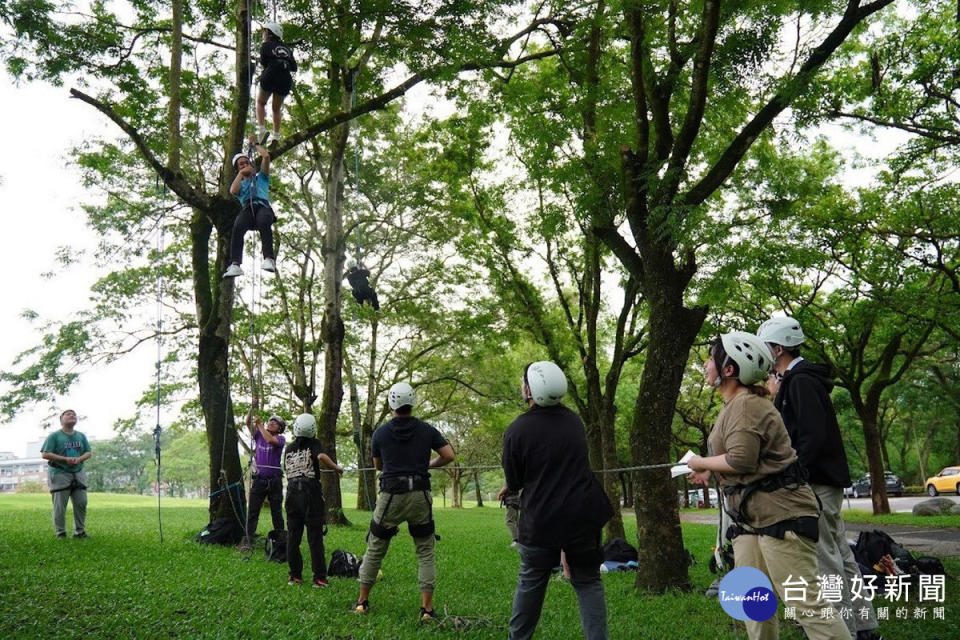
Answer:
(123, 583)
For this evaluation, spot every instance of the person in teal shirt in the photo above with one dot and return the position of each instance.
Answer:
(65, 452)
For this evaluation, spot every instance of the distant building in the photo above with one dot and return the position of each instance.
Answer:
(14, 471)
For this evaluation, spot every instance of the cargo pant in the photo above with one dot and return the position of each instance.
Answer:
(68, 486)
(414, 508)
(835, 558)
(794, 557)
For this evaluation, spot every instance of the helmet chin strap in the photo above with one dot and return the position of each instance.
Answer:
(720, 377)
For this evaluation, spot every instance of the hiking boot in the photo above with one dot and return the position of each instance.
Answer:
(320, 583)
(81, 535)
(61, 535)
(294, 580)
(262, 134)
(269, 264)
(427, 615)
(868, 634)
(233, 271)
(361, 607)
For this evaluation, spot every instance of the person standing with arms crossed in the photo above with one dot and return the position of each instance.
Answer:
(65, 452)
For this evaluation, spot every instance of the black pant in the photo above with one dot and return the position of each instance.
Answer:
(257, 216)
(305, 506)
(366, 293)
(265, 489)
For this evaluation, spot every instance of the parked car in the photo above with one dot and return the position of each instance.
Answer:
(946, 480)
(861, 488)
(696, 497)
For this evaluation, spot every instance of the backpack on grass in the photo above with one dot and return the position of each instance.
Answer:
(275, 546)
(223, 531)
(343, 564)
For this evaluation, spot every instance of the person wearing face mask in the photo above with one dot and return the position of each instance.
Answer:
(803, 399)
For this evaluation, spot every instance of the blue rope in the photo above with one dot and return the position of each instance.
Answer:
(226, 488)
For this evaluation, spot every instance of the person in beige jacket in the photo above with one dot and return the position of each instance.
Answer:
(765, 493)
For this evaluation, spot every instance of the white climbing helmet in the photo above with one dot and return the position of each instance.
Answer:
(784, 331)
(751, 355)
(274, 28)
(546, 382)
(401, 394)
(305, 426)
(237, 157)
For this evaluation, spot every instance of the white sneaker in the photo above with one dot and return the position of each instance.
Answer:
(269, 264)
(262, 134)
(233, 271)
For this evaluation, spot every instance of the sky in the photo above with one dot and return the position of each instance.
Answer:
(40, 192)
(40, 189)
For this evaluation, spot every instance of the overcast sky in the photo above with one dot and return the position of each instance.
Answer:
(40, 194)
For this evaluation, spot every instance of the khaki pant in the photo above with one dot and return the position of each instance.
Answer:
(835, 558)
(67, 486)
(413, 508)
(793, 557)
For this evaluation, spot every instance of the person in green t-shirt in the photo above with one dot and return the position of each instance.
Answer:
(65, 451)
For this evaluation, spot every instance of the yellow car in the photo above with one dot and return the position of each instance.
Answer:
(947, 480)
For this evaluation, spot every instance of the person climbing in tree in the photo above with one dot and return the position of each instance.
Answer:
(252, 188)
(358, 277)
(276, 80)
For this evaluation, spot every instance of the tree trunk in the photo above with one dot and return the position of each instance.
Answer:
(214, 301)
(456, 499)
(673, 329)
(611, 481)
(476, 487)
(332, 329)
(878, 485)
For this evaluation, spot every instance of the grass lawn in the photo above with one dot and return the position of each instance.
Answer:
(907, 519)
(123, 583)
(863, 516)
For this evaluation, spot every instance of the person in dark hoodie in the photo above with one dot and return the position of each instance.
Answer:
(359, 278)
(401, 452)
(562, 506)
(803, 400)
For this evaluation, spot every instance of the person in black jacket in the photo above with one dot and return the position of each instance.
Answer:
(276, 79)
(562, 505)
(803, 400)
(359, 279)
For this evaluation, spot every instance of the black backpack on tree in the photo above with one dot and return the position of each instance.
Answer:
(275, 546)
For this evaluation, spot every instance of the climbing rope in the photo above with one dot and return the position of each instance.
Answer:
(159, 262)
